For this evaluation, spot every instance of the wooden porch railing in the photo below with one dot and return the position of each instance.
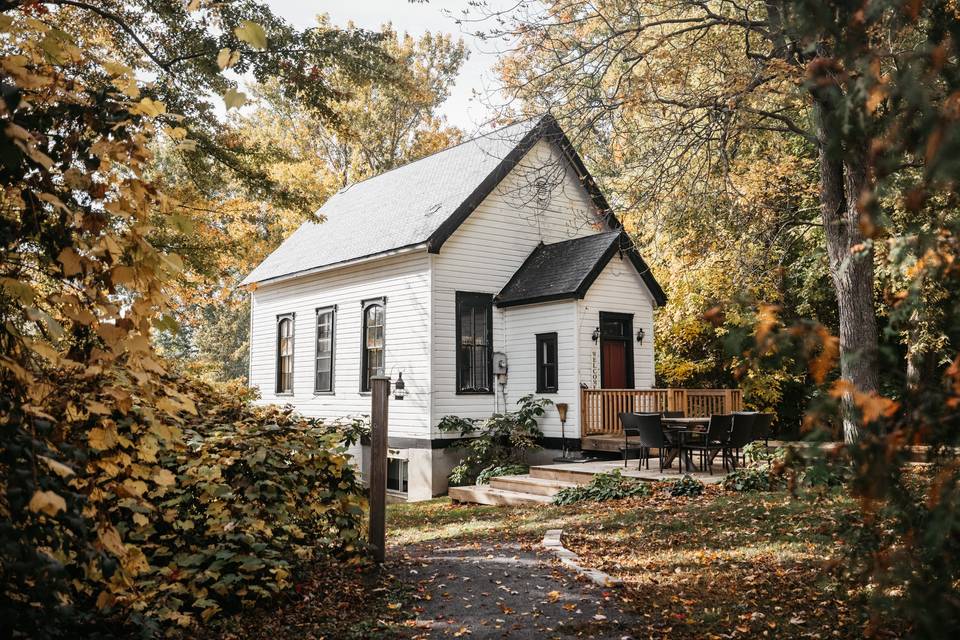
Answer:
(599, 408)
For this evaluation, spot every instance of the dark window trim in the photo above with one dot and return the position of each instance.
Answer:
(541, 382)
(364, 305)
(628, 318)
(292, 317)
(332, 309)
(488, 299)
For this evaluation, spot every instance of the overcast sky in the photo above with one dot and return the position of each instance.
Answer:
(461, 108)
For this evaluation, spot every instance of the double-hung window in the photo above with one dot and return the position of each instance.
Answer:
(285, 353)
(547, 363)
(373, 341)
(474, 342)
(326, 335)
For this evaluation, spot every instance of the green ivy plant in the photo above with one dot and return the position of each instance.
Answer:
(603, 486)
(503, 439)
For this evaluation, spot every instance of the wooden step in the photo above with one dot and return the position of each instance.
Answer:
(569, 474)
(527, 484)
(485, 494)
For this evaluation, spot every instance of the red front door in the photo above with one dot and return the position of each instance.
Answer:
(613, 359)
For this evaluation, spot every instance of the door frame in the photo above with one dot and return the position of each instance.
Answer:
(627, 319)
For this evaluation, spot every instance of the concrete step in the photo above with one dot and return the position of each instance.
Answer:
(485, 494)
(526, 484)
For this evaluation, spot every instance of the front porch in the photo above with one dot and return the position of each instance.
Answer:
(600, 428)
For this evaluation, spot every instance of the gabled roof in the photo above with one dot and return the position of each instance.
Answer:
(420, 203)
(567, 269)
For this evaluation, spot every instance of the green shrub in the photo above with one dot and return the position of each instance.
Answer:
(501, 470)
(685, 486)
(603, 486)
(145, 521)
(502, 440)
(751, 479)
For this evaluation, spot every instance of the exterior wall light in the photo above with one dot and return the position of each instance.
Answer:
(596, 334)
(640, 335)
(399, 388)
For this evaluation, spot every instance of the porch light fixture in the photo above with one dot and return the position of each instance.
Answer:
(596, 334)
(640, 335)
(399, 388)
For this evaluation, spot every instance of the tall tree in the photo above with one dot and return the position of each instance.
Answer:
(230, 227)
(698, 78)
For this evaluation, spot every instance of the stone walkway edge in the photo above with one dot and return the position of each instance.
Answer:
(552, 542)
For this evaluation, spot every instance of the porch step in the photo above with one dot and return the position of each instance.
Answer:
(486, 494)
(572, 474)
(527, 484)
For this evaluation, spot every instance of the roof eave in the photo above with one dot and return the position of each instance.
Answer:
(411, 248)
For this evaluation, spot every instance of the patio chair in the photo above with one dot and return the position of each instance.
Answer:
(636, 435)
(761, 427)
(672, 414)
(652, 436)
(741, 434)
(715, 440)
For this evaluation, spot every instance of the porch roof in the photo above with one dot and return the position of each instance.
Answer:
(567, 269)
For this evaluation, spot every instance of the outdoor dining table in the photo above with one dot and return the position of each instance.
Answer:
(681, 428)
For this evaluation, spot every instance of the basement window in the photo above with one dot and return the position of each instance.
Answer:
(396, 475)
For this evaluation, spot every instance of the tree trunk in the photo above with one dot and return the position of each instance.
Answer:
(851, 261)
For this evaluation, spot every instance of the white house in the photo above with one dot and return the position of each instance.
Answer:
(496, 256)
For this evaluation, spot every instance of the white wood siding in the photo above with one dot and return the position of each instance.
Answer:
(521, 326)
(405, 281)
(484, 253)
(620, 289)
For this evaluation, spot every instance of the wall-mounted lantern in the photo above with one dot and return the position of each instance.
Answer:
(596, 334)
(399, 388)
(640, 335)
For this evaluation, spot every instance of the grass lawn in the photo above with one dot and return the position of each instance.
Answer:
(722, 564)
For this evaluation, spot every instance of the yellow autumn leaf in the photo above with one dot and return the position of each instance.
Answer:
(47, 502)
(58, 468)
(251, 33)
(164, 478)
(227, 58)
(233, 98)
(151, 108)
(70, 261)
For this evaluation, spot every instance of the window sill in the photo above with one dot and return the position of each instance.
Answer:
(474, 393)
(550, 391)
(324, 393)
(284, 394)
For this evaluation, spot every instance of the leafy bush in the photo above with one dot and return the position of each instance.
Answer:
(501, 470)
(750, 479)
(504, 439)
(685, 486)
(136, 521)
(603, 486)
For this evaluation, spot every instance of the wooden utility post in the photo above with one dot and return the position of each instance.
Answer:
(379, 399)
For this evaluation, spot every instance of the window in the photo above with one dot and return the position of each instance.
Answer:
(326, 330)
(373, 342)
(397, 475)
(474, 342)
(546, 363)
(285, 353)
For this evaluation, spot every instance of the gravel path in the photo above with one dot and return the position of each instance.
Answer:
(506, 590)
